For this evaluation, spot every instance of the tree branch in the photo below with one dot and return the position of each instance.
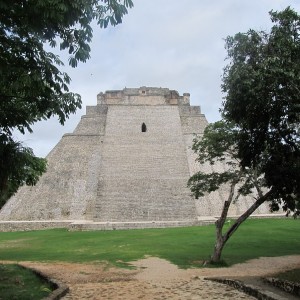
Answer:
(247, 213)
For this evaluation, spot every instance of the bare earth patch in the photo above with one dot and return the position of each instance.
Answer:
(155, 278)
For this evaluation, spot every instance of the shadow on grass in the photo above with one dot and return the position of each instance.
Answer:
(17, 282)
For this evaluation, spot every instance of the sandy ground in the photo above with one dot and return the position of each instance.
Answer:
(155, 278)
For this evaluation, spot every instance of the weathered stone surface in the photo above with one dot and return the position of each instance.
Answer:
(285, 285)
(112, 168)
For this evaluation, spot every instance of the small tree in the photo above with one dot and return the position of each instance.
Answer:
(219, 146)
(18, 166)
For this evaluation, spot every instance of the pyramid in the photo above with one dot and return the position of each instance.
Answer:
(126, 165)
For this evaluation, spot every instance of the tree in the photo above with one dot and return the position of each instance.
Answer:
(259, 137)
(32, 87)
(219, 145)
(18, 166)
(262, 97)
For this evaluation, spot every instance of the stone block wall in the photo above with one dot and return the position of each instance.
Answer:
(144, 174)
(66, 190)
(112, 168)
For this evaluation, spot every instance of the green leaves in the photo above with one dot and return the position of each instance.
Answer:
(201, 183)
(18, 166)
(262, 97)
(218, 146)
(112, 13)
(32, 87)
(218, 142)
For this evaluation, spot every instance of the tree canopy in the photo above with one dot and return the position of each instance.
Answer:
(262, 97)
(32, 86)
(219, 145)
(18, 166)
(258, 139)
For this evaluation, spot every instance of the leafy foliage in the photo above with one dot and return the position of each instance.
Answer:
(258, 142)
(218, 145)
(262, 97)
(32, 87)
(18, 166)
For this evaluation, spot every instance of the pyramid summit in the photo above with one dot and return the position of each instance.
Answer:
(126, 165)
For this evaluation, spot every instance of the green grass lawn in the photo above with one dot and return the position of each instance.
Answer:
(185, 247)
(20, 283)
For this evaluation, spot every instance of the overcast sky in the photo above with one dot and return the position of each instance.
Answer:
(161, 43)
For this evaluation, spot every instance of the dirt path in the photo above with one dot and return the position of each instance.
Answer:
(156, 278)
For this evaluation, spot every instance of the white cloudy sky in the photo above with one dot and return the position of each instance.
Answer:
(161, 43)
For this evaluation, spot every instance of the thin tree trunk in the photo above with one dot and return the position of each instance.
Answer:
(219, 244)
(222, 239)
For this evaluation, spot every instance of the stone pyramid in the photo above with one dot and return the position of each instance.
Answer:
(127, 162)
